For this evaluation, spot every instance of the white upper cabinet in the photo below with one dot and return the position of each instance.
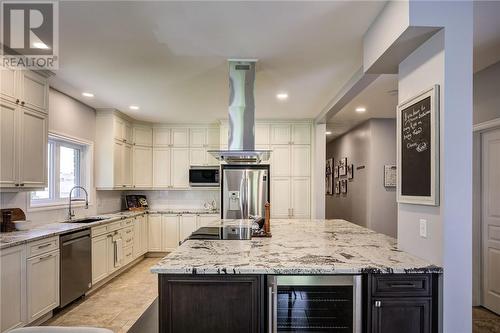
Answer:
(127, 132)
(33, 91)
(143, 166)
(180, 137)
(24, 129)
(127, 177)
(224, 136)
(301, 134)
(301, 161)
(213, 134)
(118, 128)
(280, 134)
(117, 164)
(143, 136)
(9, 84)
(33, 149)
(301, 197)
(8, 144)
(180, 167)
(161, 137)
(162, 160)
(262, 134)
(197, 137)
(280, 197)
(197, 156)
(280, 161)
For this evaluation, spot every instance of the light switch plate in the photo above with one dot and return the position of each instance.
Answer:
(423, 228)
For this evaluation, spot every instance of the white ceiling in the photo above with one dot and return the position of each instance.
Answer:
(170, 57)
(379, 98)
(380, 104)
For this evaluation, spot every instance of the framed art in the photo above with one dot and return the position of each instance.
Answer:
(329, 166)
(343, 166)
(343, 186)
(350, 171)
(336, 171)
(418, 149)
(337, 187)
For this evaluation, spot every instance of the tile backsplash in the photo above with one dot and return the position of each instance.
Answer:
(178, 199)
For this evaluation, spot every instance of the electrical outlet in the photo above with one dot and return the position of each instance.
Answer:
(423, 228)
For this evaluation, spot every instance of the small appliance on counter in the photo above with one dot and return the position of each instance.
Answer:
(136, 202)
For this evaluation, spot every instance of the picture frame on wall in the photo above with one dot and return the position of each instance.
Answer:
(418, 149)
(329, 166)
(337, 187)
(343, 166)
(336, 171)
(343, 186)
(350, 171)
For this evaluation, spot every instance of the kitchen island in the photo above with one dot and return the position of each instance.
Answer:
(223, 285)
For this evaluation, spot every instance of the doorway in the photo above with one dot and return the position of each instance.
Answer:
(490, 219)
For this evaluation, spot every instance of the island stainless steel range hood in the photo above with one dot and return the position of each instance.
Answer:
(241, 116)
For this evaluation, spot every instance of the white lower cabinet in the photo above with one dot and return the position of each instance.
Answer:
(144, 234)
(204, 219)
(187, 225)
(155, 233)
(169, 232)
(12, 288)
(99, 258)
(42, 284)
(137, 236)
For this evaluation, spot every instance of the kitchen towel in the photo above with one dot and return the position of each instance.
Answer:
(118, 252)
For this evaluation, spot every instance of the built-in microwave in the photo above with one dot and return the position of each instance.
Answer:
(204, 176)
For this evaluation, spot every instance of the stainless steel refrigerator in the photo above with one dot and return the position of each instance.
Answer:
(244, 190)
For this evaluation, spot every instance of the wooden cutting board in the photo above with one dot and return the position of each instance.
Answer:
(17, 214)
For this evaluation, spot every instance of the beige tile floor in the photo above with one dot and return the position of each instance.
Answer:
(118, 304)
(484, 321)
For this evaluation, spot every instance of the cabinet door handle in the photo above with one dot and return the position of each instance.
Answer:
(45, 245)
(378, 304)
(16, 184)
(17, 101)
(21, 184)
(45, 257)
(22, 103)
(401, 285)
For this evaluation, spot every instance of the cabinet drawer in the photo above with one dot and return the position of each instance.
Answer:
(114, 226)
(128, 254)
(43, 246)
(127, 222)
(128, 236)
(401, 285)
(100, 230)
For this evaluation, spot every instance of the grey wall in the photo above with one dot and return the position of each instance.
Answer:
(371, 144)
(486, 94)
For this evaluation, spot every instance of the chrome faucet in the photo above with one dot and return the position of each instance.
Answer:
(71, 213)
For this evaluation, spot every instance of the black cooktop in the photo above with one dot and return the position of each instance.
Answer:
(218, 233)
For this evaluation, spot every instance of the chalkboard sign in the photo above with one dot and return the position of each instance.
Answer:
(418, 149)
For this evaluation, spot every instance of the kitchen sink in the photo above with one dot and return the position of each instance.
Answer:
(87, 220)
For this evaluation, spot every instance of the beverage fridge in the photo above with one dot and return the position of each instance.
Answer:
(245, 189)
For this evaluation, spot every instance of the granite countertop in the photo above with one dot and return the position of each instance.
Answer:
(297, 247)
(9, 239)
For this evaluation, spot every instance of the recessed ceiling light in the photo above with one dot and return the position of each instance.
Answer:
(328, 132)
(282, 96)
(360, 109)
(134, 107)
(40, 45)
(87, 94)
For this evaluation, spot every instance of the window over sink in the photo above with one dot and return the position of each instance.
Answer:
(69, 165)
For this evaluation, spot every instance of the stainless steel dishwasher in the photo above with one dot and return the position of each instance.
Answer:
(76, 265)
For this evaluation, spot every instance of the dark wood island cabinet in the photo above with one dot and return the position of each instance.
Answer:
(392, 303)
